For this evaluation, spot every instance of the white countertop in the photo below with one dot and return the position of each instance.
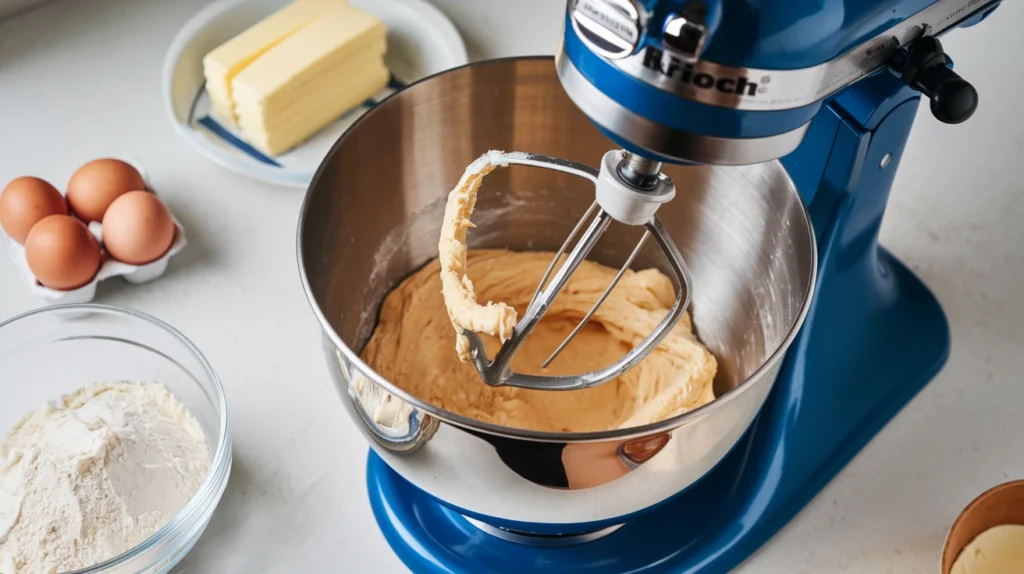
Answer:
(80, 79)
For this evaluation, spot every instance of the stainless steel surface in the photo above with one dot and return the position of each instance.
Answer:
(373, 214)
(365, 398)
(762, 89)
(499, 371)
(561, 251)
(597, 304)
(543, 540)
(612, 28)
(663, 140)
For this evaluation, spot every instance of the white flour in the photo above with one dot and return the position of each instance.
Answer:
(92, 476)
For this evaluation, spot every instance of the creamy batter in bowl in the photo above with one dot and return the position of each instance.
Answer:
(414, 348)
(372, 217)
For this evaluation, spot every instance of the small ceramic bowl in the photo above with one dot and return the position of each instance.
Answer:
(1002, 504)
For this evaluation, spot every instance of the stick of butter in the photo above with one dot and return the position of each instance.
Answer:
(310, 78)
(225, 62)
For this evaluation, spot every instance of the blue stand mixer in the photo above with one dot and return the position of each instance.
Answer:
(829, 88)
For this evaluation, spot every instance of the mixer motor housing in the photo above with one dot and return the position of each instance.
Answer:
(732, 82)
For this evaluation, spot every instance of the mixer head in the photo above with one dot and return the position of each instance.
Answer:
(628, 189)
(734, 83)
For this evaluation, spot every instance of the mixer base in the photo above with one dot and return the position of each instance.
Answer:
(837, 389)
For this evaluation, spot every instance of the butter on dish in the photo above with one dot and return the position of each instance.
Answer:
(225, 62)
(293, 73)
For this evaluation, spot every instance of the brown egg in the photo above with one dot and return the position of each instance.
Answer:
(137, 228)
(97, 184)
(61, 252)
(24, 202)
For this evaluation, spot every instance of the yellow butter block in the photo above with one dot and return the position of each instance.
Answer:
(308, 90)
(223, 112)
(284, 136)
(310, 78)
(222, 64)
(346, 86)
(336, 36)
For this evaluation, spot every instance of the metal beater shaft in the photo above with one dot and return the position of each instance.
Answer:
(561, 251)
(615, 281)
(500, 367)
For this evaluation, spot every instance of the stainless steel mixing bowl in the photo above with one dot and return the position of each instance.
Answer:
(372, 216)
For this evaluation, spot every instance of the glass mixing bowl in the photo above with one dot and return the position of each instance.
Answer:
(50, 352)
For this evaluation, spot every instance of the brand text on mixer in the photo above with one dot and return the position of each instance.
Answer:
(675, 69)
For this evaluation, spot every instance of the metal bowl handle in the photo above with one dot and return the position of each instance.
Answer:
(416, 427)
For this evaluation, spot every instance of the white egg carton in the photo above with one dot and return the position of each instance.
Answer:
(109, 267)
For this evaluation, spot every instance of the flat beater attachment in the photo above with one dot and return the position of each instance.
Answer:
(629, 189)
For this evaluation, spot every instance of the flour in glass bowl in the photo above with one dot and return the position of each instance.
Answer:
(91, 476)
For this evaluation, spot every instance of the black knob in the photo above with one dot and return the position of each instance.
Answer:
(924, 66)
(953, 99)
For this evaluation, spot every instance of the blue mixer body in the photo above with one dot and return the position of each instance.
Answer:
(786, 35)
(873, 337)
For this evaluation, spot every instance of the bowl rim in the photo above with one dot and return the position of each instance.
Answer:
(220, 462)
(527, 434)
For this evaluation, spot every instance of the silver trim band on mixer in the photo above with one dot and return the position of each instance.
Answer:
(542, 540)
(663, 140)
(768, 90)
